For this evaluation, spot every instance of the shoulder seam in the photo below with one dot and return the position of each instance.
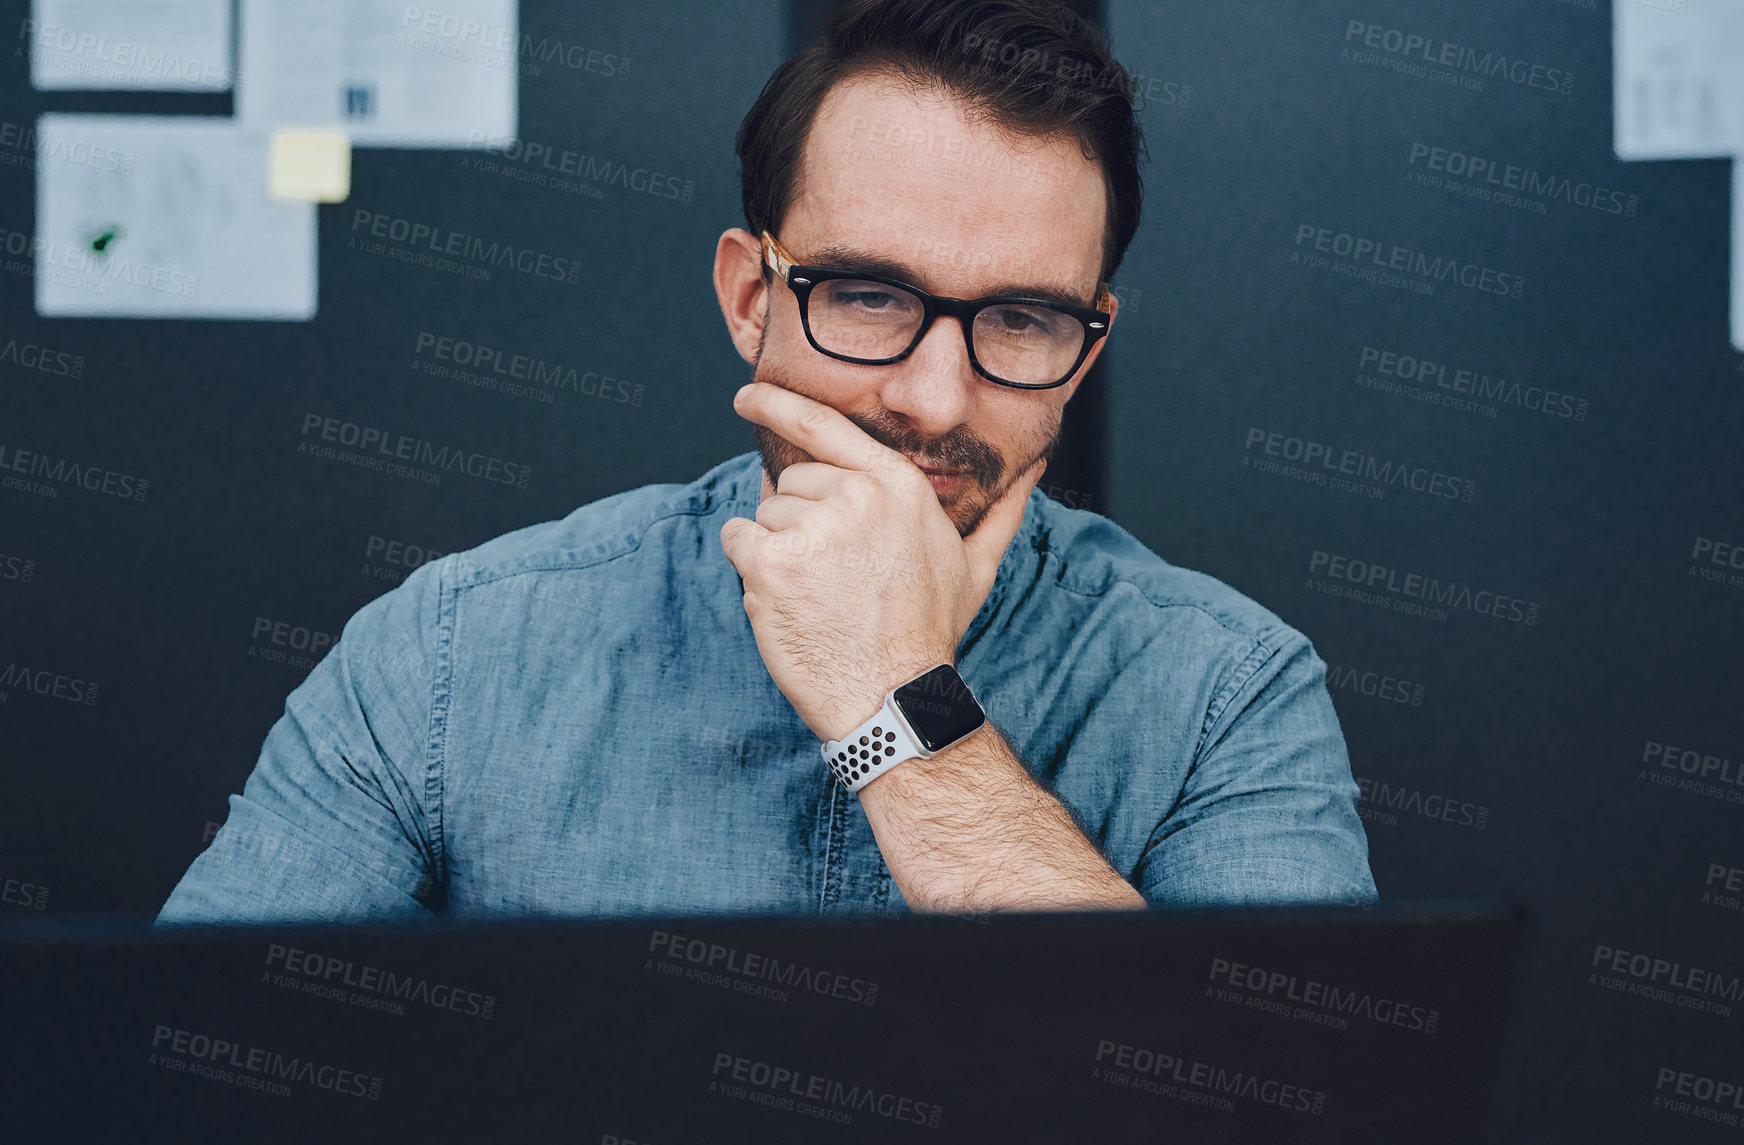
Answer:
(1244, 671)
(1169, 603)
(441, 692)
(1249, 666)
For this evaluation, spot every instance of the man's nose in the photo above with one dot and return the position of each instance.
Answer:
(935, 386)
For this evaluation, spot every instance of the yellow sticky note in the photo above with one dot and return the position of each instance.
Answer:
(310, 166)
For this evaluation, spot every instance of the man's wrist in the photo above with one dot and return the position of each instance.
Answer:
(842, 729)
(939, 768)
(860, 713)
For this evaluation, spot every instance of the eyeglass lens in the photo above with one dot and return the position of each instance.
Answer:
(1029, 345)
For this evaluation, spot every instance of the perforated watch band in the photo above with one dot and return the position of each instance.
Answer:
(871, 749)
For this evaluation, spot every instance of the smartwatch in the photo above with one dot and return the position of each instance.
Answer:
(919, 719)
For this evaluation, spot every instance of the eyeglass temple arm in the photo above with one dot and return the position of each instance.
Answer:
(775, 256)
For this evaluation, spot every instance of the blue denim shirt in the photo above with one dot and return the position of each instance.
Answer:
(572, 719)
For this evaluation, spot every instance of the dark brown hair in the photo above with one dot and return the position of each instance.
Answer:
(1028, 66)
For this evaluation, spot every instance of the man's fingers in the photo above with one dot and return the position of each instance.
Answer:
(781, 511)
(738, 536)
(819, 429)
(813, 480)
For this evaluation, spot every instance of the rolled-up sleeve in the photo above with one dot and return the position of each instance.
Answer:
(1268, 810)
(340, 819)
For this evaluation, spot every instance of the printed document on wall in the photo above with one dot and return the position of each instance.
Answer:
(388, 73)
(166, 217)
(1678, 72)
(134, 45)
(1738, 255)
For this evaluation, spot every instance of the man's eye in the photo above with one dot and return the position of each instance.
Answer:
(1018, 321)
(868, 299)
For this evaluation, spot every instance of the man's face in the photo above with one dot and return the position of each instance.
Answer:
(958, 209)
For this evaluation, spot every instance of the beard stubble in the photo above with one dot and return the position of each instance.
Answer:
(958, 449)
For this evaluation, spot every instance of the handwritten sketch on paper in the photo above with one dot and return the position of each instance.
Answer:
(166, 217)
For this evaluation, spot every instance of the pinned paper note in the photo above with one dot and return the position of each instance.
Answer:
(310, 166)
(1738, 255)
(387, 73)
(166, 217)
(1678, 79)
(1678, 93)
(143, 45)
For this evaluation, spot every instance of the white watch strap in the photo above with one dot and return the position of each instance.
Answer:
(871, 749)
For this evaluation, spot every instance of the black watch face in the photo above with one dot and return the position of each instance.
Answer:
(939, 708)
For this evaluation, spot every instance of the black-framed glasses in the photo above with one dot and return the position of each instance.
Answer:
(870, 320)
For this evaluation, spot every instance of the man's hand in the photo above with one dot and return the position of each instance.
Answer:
(856, 579)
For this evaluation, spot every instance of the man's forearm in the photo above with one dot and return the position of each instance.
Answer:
(968, 831)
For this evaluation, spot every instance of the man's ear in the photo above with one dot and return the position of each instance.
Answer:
(739, 287)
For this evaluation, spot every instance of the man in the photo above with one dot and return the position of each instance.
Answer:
(684, 698)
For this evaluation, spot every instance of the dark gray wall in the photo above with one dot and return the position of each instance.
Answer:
(1528, 738)
(1499, 755)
